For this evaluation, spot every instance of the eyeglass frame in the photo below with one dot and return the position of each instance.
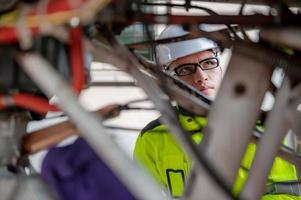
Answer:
(198, 64)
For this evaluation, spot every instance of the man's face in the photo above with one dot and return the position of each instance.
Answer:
(206, 81)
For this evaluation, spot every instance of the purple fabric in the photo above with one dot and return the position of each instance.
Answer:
(76, 173)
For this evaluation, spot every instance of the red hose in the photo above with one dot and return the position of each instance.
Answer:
(27, 101)
(9, 35)
(56, 6)
(38, 104)
(76, 59)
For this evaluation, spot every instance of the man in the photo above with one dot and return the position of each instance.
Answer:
(196, 62)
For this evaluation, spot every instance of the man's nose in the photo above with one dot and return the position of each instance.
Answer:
(200, 76)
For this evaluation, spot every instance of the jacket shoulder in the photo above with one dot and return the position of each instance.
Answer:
(151, 126)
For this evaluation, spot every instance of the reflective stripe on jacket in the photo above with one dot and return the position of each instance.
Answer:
(157, 149)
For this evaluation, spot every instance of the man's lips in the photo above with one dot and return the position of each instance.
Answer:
(205, 90)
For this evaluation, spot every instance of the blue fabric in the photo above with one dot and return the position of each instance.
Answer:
(75, 172)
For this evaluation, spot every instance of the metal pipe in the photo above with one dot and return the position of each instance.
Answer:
(51, 136)
(285, 37)
(248, 20)
(230, 127)
(268, 145)
(135, 179)
(252, 2)
(284, 152)
(112, 83)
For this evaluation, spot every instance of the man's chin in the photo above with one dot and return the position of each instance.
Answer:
(208, 93)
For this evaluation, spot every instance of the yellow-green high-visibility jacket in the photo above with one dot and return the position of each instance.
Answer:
(157, 149)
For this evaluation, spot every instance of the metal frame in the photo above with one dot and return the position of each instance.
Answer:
(232, 117)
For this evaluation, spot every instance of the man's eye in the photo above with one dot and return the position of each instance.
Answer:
(209, 64)
(184, 70)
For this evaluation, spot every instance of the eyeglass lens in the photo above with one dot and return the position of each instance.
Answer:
(190, 68)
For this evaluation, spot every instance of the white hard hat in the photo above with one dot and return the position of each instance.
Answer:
(166, 53)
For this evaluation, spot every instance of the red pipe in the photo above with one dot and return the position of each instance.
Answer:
(27, 101)
(9, 35)
(56, 6)
(38, 104)
(76, 59)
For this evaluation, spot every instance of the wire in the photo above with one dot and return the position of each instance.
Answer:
(246, 37)
(137, 101)
(187, 6)
(209, 11)
(128, 106)
(123, 128)
(136, 108)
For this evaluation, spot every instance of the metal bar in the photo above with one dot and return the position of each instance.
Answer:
(19, 186)
(137, 130)
(267, 149)
(256, 51)
(255, 2)
(197, 34)
(12, 129)
(247, 20)
(231, 122)
(276, 58)
(51, 136)
(112, 83)
(284, 152)
(135, 179)
(287, 37)
(47, 137)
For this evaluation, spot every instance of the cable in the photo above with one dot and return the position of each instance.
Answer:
(187, 6)
(246, 37)
(123, 128)
(137, 101)
(209, 11)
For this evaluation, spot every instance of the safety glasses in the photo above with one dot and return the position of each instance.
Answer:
(190, 68)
